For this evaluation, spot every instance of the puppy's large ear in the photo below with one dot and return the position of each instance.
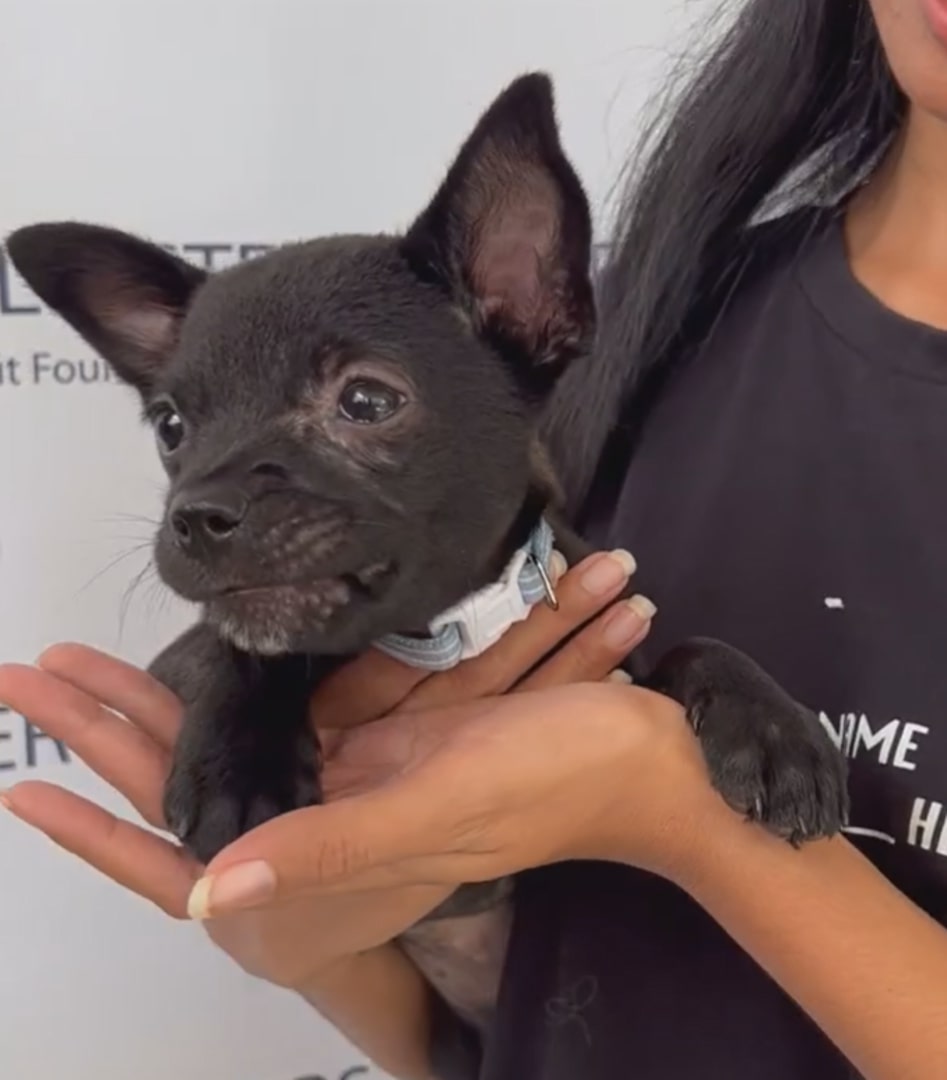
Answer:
(126, 297)
(509, 231)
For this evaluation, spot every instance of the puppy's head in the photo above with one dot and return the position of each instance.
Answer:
(348, 424)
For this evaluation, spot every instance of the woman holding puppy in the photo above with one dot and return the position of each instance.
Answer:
(775, 323)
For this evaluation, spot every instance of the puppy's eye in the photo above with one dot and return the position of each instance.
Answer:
(169, 430)
(367, 402)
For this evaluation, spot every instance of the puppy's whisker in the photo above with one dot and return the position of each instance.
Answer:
(139, 542)
(130, 519)
(147, 570)
(120, 558)
(156, 596)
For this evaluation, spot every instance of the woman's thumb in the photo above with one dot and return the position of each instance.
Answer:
(354, 844)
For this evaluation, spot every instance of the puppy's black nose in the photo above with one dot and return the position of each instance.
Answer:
(207, 520)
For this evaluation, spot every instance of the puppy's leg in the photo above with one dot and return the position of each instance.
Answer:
(246, 751)
(768, 756)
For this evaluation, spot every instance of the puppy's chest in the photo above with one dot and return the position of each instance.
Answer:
(462, 958)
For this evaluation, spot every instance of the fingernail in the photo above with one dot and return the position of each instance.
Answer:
(608, 572)
(240, 887)
(619, 676)
(557, 566)
(5, 801)
(645, 607)
(625, 623)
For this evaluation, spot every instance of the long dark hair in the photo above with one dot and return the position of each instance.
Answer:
(793, 106)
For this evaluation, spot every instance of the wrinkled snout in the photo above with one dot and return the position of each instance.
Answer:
(239, 527)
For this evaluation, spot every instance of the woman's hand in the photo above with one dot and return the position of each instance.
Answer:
(587, 771)
(452, 787)
(123, 725)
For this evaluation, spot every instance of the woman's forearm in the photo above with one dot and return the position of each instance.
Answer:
(865, 963)
(381, 1003)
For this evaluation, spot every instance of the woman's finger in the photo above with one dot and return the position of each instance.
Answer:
(121, 686)
(137, 859)
(123, 756)
(597, 649)
(366, 689)
(582, 593)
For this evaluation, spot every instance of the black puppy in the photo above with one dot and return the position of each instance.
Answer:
(349, 427)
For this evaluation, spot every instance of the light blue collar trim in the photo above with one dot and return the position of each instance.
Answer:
(481, 619)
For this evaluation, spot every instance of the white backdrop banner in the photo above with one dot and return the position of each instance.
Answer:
(218, 128)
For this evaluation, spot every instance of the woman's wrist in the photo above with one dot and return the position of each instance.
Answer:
(719, 849)
(663, 805)
(719, 835)
(333, 975)
(379, 1000)
(695, 839)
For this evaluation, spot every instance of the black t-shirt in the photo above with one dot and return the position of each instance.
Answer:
(788, 495)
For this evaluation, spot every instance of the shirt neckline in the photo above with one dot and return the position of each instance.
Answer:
(858, 317)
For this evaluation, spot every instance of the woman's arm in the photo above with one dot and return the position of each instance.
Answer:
(381, 1003)
(865, 963)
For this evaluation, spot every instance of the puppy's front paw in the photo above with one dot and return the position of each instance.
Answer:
(215, 795)
(768, 756)
(771, 760)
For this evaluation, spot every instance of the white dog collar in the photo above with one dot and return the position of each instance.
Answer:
(481, 619)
